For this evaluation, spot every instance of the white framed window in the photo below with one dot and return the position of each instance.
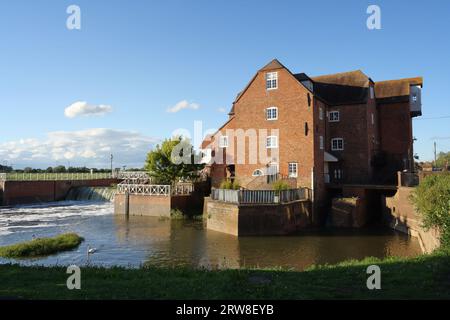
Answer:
(372, 94)
(223, 142)
(337, 174)
(272, 142)
(333, 116)
(321, 142)
(272, 113)
(293, 169)
(258, 173)
(373, 118)
(271, 80)
(320, 114)
(337, 144)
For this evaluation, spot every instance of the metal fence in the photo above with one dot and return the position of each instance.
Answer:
(16, 176)
(259, 196)
(144, 189)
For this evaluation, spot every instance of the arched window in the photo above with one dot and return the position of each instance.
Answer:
(258, 173)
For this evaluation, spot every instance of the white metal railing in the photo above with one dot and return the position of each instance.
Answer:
(259, 196)
(183, 189)
(130, 175)
(144, 189)
(16, 176)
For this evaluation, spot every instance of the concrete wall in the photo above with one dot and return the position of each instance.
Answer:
(252, 220)
(26, 192)
(400, 215)
(158, 206)
(142, 205)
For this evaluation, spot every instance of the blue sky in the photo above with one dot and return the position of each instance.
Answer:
(142, 57)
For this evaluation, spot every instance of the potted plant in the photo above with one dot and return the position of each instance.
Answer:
(279, 186)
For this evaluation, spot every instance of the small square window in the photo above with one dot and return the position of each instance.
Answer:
(333, 116)
(223, 142)
(293, 170)
(272, 80)
(272, 142)
(272, 113)
(337, 144)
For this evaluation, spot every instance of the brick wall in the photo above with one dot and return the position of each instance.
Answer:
(26, 192)
(250, 220)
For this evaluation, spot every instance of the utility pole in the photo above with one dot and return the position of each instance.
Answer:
(112, 157)
(435, 154)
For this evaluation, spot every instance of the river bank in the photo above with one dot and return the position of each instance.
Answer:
(422, 277)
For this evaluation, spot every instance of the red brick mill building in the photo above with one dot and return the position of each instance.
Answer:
(337, 129)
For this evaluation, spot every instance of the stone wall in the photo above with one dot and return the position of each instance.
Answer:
(252, 220)
(157, 206)
(399, 213)
(26, 192)
(142, 205)
(348, 213)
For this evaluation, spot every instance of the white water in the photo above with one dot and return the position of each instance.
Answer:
(48, 215)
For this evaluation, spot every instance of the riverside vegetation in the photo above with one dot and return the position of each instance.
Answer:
(41, 246)
(422, 277)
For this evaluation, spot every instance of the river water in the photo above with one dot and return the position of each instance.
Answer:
(137, 241)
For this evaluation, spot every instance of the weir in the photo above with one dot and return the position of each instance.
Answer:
(91, 194)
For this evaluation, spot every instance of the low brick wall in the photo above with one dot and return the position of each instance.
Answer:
(252, 220)
(142, 205)
(399, 214)
(157, 206)
(26, 192)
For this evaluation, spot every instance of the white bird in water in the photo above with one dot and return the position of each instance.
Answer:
(91, 250)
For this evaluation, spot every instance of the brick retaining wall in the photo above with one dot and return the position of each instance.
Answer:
(252, 220)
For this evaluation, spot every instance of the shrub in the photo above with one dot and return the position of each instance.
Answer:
(279, 186)
(432, 200)
(42, 246)
(230, 185)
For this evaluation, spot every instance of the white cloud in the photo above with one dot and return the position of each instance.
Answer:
(90, 147)
(222, 110)
(184, 104)
(82, 108)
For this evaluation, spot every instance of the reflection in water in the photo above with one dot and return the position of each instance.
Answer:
(135, 241)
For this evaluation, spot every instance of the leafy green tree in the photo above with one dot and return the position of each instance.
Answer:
(443, 159)
(173, 160)
(59, 169)
(432, 200)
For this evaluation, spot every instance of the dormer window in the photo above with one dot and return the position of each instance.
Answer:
(272, 113)
(271, 80)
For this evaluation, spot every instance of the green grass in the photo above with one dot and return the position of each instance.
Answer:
(423, 277)
(41, 246)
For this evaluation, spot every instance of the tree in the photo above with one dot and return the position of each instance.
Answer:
(173, 160)
(443, 159)
(59, 169)
(432, 200)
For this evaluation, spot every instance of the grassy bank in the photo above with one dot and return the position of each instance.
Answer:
(423, 277)
(41, 246)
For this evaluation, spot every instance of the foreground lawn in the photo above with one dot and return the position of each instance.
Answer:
(424, 277)
(41, 246)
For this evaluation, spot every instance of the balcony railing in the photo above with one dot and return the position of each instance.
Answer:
(259, 196)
